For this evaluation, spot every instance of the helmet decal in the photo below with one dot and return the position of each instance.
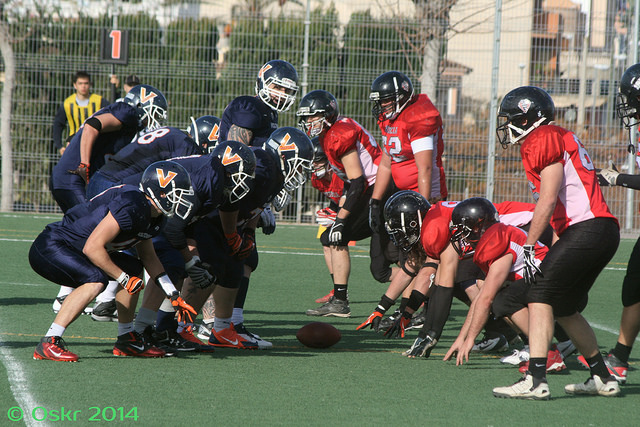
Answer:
(266, 67)
(285, 146)
(143, 95)
(164, 180)
(229, 157)
(524, 105)
(215, 132)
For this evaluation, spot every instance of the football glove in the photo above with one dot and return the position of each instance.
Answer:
(199, 272)
(335, 234)
(398, 327)
(530, 268)
(184, 310)
(375, 215)
(373, 321)
(131, 284)
(248, 244)
(268, 220)
(326, 217)
(234, 241)
(82, 171)
(608, 177)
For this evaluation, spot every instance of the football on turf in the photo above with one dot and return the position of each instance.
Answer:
(318, 335)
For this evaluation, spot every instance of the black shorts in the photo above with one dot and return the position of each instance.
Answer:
(573, 264)
(511, 298)
(631, 283)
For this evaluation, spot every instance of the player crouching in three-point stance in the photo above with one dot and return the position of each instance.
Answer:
(83, 251)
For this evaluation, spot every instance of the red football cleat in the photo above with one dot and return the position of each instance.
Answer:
(229, 337)
(554, 362)
(54, 348)
(132, 344)
(325, 298)
(187, 334)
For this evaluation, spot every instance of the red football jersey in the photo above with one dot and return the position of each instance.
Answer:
(500, 240)
(332, 189)
(580, 197)
(515, 213)
(344, 136)
(434, 234)
(417, 128)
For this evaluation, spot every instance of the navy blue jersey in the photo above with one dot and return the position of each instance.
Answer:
(207, 180)
(105, 145)
(251, 113)
(159, 144)
(266, 185)
(128, 205)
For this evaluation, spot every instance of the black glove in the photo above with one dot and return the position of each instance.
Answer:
(398, 326)
(335, 234)
(375, 215)
(199, 273)
(373, 321)
(530, 268)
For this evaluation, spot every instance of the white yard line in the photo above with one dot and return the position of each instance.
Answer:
(19, 386)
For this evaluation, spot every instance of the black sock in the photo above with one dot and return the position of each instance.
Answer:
(538, 369)
(439, 307)
(241, 296)
(340, 292)
(385, 303)
(622, 352)
(597, 366)
(403, 303)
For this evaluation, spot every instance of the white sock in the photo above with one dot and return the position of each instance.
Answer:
(109, 294)
(64, 291)
(145, 317)
(125, 328)
(220, 323)
(238, 316)
(55, 330)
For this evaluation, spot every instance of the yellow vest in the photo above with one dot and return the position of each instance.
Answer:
(76, 115)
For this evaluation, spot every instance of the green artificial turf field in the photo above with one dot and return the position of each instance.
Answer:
(362, 380)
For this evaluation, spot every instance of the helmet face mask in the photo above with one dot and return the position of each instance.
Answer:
(318, 111)
(150, 104)
(205, 131)
(469, 220)
(403, 214)
(277, 84)
(294, 151)
(239, 164)
(522, 111)
(168, 184)
(390, 93)
(627, 110)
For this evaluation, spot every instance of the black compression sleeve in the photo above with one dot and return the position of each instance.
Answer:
(629, 181)
(356, 189)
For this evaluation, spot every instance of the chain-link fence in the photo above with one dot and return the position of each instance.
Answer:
(203, 54)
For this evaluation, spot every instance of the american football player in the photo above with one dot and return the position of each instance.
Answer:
(563, 181)
(205, 131)
(251, 119)
(283, 161)
(354, 156)
(84, 251)
(149, 147)
(220, 179)
(412, 142)
(103, 134)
